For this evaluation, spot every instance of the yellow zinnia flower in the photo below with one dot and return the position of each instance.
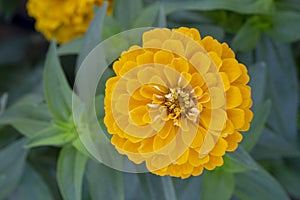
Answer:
(178, 102)
(63, 19)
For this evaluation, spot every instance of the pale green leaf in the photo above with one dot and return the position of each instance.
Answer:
(70, 170)
(126, 11)
(57, 91)
(70, 48)
(217, 185)
(238, 161)
(52, 136)
(93, 36)
(32, 186)
(285, 26)
(11, 167)
(104, 182)
(248, 35)
(258, 184)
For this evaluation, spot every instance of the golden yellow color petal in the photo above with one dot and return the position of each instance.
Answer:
(178, 102)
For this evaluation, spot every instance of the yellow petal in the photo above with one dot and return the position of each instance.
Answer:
(233, 97)
(231, 67)
(174, 46)
(227, 52)
(145, 58)
(136, 115)
(220, 148)
(163, 57)
(211, 44)
(180, 64)
(237, 117)
(183, 158)
(201, 62)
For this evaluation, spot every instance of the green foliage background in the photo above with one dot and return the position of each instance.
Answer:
(41, 156)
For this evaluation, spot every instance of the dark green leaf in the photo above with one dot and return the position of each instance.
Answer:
(93, 36)
(258, 81)
(3, 102)
(57, 91)
(257, 125)
(240, 6)
(70, 170)
(248, 36)
(238, 161)
(289, 177)
(272, 145)
(13, 50)
(285, 26)
(104, 182)
(32, 186)
(134, 189)
(217, 185)
(158, 187)
(11, 167)
(126, 11)
(282, 86)
(258, 184)
(8, 135)
(190, 188)
(7, 8)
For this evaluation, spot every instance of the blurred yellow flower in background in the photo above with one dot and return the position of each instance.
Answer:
(63, 19)
(178, 102)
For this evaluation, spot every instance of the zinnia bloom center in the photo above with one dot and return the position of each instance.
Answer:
(180, 103)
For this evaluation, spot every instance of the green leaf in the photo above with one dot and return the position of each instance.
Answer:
(72, 47)
(70, 170)
(110, 27)
(57, 91)
(126, 11)
(258, 81)
(146, 17)
(7, 8)
(258, 184)
(52, 135)
(257, 126)
(157, 187)
(289, 177)
(285, 26)
(190, 188)
(248, 36)
(272, 145)
(239, 6)
(32, 186)
(11, 167)
(217, 185)
(93, 36)
(77, 143)
(238, 161)
(168, 187)
(161, 20)
(104, 182)
(29, 115)
(283, 94)
(3, 102)
(8, 135)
